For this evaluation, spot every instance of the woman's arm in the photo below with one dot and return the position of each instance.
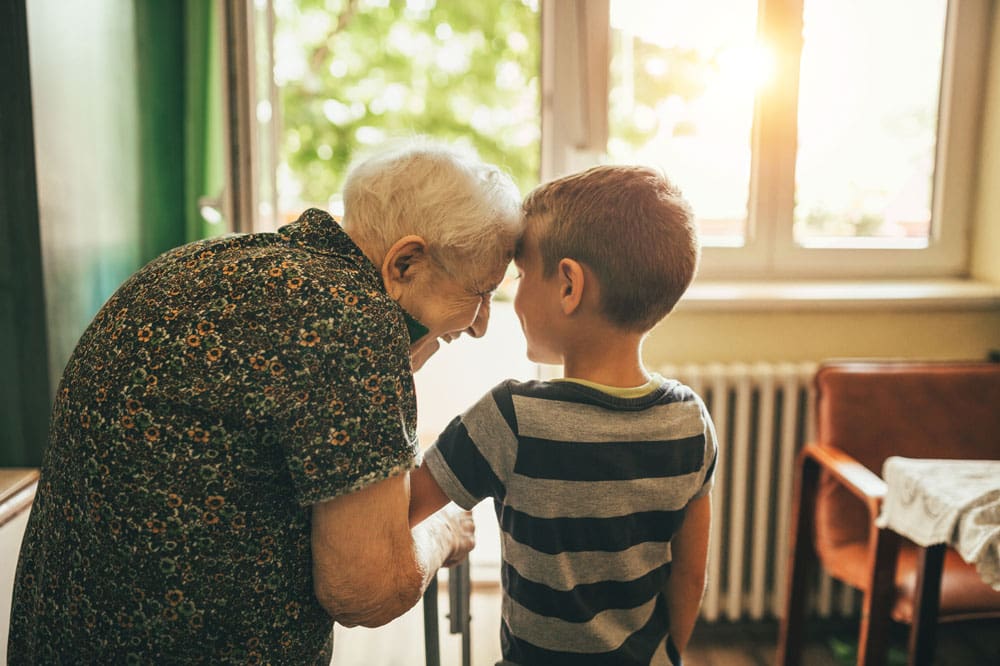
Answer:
(686, 586)
(369, 567)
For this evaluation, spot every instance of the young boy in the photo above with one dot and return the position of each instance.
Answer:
(600, 480)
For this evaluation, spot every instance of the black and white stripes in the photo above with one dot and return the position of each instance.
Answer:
(589, 488)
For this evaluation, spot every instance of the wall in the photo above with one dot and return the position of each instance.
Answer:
(11, 535)
(694, 337)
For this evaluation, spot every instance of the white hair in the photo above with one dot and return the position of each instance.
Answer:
(469, 212)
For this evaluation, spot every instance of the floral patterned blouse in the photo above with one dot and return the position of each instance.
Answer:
(226, 387)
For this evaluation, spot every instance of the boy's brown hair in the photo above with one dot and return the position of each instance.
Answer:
(631, 227)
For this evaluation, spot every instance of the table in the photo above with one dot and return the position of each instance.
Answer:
(17, 490)
(939, 504)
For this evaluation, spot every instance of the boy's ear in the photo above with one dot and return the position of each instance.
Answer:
(402, 262)
(571, 284)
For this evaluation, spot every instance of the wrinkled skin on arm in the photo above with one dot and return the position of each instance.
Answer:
(369, 567)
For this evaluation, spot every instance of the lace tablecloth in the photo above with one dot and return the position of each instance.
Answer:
(956, 502)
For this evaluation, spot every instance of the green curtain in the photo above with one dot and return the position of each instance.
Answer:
(204, 166)
(24, 380)
(160, 67)
(180, 109)
(175, 160)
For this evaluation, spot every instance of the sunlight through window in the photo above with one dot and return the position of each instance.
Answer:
(684, 78)
(867, 122)
(353, 75)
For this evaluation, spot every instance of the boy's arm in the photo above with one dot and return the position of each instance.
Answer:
(426, 496)
(686, 585)
(467, 468)
(426, 499)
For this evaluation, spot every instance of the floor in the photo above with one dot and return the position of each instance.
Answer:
(400, 643)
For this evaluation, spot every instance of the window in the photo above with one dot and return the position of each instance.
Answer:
(814, 138)
(355, 75)
(865, 159)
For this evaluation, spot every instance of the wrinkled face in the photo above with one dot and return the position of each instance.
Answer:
(537, 301)
(449, 306)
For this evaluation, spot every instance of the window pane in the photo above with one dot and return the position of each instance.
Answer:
(683, 79)
(867, 123)
(353, 75)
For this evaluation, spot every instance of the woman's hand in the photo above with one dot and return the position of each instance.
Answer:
(369, 565)
(428, 500)
(463, 532)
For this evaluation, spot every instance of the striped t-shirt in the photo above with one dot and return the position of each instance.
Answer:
(588, 488)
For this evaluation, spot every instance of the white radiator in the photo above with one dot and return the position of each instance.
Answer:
(763, 414)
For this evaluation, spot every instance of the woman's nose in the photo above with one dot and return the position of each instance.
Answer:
(482, 320)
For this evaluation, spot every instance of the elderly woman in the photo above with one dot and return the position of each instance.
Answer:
(227, 471)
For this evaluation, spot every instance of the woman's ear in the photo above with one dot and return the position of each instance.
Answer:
(402, 262)
(571, 284)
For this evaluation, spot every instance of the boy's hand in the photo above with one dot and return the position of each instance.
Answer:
(463, 531)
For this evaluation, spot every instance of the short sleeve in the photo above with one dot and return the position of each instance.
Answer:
(342, 399)
(711, 454)
(472, 459)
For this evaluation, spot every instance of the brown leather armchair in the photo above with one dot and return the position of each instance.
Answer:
(866, 412)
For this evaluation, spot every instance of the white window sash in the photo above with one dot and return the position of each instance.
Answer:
(247, 35)
(574, 76)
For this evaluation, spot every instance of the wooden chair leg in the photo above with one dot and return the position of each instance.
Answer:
(802, 557)
(873, 640)
(927, 595)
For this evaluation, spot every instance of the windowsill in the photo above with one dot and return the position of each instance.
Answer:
(729, 296)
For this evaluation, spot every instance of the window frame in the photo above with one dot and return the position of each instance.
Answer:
(574, 133)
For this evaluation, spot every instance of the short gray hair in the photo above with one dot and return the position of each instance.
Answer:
(466, 210)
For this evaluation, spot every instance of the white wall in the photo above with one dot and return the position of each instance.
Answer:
(10, 545)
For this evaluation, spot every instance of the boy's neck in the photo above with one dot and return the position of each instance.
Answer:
(612, 359)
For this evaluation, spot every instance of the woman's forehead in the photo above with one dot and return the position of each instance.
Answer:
(491, 282)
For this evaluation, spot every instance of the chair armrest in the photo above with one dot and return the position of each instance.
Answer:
(858, 479)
